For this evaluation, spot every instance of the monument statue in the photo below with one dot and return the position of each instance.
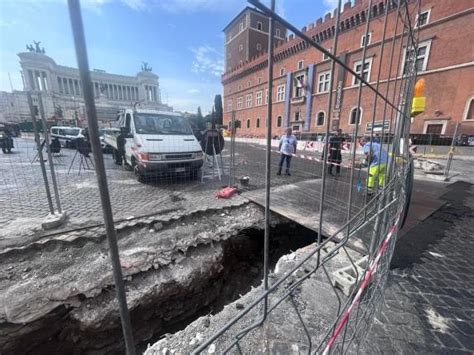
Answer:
(146, 67)
(36, 48)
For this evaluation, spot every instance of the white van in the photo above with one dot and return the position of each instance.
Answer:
(66, 135)
(155, 142)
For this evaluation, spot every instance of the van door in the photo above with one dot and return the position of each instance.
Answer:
(128, 141)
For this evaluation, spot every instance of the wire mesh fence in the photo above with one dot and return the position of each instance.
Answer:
(351, 188)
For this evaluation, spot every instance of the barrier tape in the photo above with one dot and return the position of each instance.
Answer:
(306, 157)
(367, 277)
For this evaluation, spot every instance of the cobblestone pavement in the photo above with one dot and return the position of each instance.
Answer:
(23, 197)
(429, 298)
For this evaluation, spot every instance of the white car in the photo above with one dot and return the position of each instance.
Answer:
(66, 135)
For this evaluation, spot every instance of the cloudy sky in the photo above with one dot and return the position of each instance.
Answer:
(181, 39)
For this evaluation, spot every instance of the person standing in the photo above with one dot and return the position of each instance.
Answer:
(334, 156)
(287, 147)
(377, 159)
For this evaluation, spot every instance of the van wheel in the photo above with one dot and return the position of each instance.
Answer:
(125, 165)
(137, 173)
(195, 174)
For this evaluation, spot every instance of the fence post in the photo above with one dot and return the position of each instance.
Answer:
(87, 90)
(451, 152)
(50, 155)
(40, 152)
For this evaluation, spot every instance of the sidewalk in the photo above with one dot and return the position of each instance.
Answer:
(429, 297)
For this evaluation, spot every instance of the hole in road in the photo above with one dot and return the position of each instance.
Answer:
(240, 268)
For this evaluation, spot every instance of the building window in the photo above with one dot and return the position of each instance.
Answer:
(241, 47)
(423, 18)
(296, 128)
(363, 39)
(299, 83)
(324, 81)
(228, 55)
(259, 26)
(248, 100)
(282, 71)
(355, 116)
(469, 110)
(259, 47)
(320, 118)
(229, 105)
(325, 56)
(279, 121)
(365, 73)
(297, 115)
(258, 98)
(257, 124)
(280, 93)
(277, 32)
(241, 26)
(259, 80)
(240, 87)
(248, 122)
(434, 128)
(421, 60)
(239, 103)
(300, 65)
(249, 83)
(266, 96)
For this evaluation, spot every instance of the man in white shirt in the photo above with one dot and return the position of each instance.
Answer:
(287, 148)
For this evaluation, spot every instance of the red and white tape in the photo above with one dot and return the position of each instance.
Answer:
(305, 157)
(367, 277)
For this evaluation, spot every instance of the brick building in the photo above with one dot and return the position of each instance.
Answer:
(445, 60)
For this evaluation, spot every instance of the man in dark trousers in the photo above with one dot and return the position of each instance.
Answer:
(287, 148)
(334, 156)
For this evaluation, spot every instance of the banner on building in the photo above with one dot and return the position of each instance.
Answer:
(378, 126)
(340, 82)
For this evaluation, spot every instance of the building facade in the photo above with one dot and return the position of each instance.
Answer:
(60, 88)
(246, 37)
(302, 74)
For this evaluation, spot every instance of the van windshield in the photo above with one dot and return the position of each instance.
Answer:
(161, 124)
(71, 131)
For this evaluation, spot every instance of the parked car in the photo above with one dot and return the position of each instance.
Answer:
(154, 143)
(66, 135)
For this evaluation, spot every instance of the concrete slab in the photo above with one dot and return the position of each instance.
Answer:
(300, 202)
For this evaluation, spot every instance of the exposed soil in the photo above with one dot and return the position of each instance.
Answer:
(60, 298)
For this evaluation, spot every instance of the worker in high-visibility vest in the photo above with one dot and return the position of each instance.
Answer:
(377, 164)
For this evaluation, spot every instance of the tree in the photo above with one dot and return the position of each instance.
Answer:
(200, 122)
(219, 113)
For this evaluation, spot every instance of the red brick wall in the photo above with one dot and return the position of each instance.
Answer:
(449, 29)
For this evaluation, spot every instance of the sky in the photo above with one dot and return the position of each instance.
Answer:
(182, 40)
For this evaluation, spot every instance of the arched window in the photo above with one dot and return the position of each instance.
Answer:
(355, 116)
(279, 121)
(248, 122)
(320, 118)
(258, 122)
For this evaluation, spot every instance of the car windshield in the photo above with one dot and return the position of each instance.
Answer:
(71, 131)
(161, 124)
